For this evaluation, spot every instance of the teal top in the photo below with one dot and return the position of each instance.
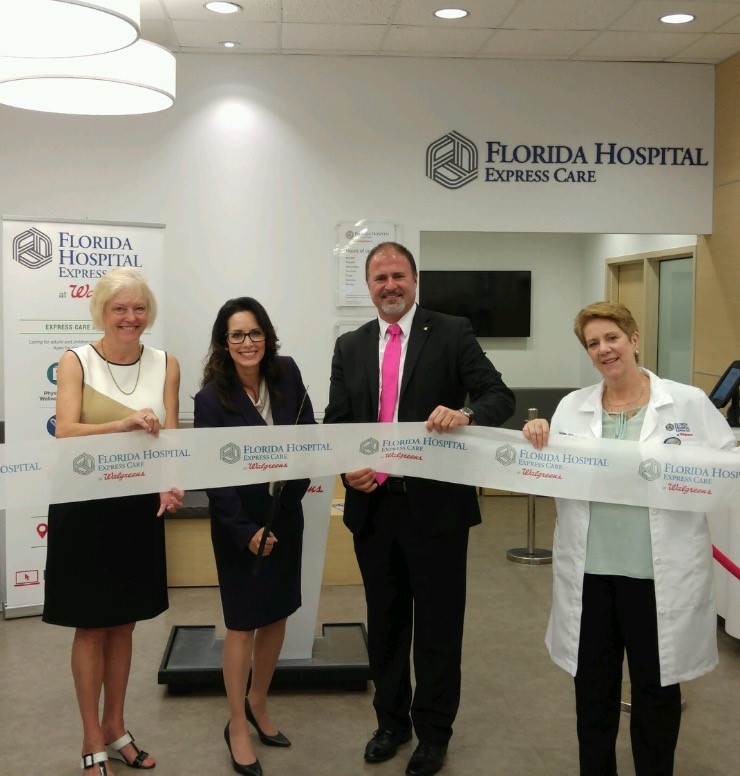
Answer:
(619, 534)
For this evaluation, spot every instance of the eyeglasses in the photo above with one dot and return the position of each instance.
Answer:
(237, 337)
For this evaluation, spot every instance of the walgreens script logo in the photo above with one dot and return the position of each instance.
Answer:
(82, 291)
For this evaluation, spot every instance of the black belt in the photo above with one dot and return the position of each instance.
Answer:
(395, 485)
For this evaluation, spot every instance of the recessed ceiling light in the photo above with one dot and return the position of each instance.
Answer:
(228, 43)
(677, 18)
(451, 13)
(223, 7)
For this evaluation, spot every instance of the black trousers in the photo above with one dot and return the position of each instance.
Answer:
(415, 590)
(619, 614)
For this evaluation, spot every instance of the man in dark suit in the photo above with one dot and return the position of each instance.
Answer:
(411, 534)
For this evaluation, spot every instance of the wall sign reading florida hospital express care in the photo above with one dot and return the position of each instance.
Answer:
(453, 160)
(50, 269)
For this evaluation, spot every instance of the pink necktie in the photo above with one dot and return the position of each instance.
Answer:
(389, 386)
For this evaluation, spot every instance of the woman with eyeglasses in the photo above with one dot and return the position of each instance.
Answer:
(246, 383)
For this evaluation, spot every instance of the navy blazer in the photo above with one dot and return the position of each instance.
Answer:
(242, 510)
(444, 365)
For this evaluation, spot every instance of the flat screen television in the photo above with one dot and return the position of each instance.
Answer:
(497, 302)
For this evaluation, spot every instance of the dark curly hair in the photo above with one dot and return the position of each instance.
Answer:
(219, 367)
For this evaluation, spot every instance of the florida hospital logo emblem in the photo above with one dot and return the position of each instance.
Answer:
(84, 463)
(230, 453)
(650, 469)
(505, 455)
(452, 160)
(32, 249)
(370, 446)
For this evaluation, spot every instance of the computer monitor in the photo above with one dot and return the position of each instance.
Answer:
(728, 390)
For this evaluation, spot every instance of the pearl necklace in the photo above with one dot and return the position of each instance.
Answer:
(110, 371)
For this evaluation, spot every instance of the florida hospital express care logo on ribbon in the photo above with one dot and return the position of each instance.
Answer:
(267, 457)
(409, 449)
(123, 466)
(682, 479)
(452, 160)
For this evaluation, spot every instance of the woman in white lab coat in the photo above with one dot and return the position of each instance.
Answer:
(628, 578)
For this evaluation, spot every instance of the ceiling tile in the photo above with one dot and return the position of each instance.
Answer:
(250, 35)
(521, 29)
(333, 37)
(252, 10)
(566, 14)
(645, 16)
(630, 46)
(710, 48)
(732, 26)
(431, 40)
(539, 44)
(483, 13)
(159, 31)
(339, 11)
(151, 9)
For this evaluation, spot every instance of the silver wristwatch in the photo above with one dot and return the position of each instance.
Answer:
(469, 414)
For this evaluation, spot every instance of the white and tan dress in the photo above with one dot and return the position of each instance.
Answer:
(106, 561)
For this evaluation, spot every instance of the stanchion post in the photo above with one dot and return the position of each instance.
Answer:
(530, 554)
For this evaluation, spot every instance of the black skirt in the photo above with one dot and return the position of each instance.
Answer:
(252, 601)
(105, 563)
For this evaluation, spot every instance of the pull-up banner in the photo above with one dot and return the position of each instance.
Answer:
(663, 476)
(50, 268)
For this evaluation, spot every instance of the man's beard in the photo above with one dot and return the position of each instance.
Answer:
(393, 305)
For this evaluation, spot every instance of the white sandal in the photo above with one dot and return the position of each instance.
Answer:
(88, 761)
(138, 761)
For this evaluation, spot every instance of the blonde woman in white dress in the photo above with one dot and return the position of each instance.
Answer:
(106, 565)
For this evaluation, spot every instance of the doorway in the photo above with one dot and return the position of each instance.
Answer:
(658, 288)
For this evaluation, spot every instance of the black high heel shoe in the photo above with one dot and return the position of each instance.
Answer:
(253, 769)
(276, 740)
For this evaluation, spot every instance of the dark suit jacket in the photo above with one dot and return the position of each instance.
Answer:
(242, 510)
(445, 366)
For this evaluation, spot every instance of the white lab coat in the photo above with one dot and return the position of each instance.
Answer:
(681, 547)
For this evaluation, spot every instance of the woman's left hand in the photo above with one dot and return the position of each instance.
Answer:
(170, 501)
(537, 432)
(254, 545)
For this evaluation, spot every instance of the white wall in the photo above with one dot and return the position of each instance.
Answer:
(549, 357)
(262, 156)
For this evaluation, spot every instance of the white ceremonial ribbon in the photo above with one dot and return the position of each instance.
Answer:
(645, 474)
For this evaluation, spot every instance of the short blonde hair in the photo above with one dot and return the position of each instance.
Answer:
(111, 284)
(611, 311)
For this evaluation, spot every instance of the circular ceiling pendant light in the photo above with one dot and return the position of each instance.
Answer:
(67, 28)
(137, 79)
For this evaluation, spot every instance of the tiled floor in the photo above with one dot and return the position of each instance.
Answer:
(516, 716)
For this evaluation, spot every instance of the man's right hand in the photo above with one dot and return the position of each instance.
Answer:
(362, 479)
